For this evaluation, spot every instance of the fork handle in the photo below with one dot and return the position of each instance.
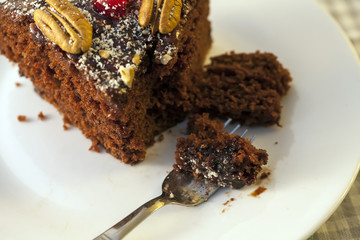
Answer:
(120, 229)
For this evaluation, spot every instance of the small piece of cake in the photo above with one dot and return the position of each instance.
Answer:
(225, 159)
(202, 127)
(244, 87)
(120, 82)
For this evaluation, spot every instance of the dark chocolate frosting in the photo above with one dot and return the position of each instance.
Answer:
(125, 44)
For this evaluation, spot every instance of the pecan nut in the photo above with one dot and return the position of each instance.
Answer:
(165, 17)
(77, 36)
(170, 15)
(146, 12)
(155, 20)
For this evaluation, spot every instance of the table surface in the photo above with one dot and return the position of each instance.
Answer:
(344, 224)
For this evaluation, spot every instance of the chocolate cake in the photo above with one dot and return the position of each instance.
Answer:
(243, 86)
(119, 82)
(225, 159)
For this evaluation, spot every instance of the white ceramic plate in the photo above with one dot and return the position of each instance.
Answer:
(52, 187)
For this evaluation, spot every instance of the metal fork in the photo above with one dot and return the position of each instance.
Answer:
(180, 188)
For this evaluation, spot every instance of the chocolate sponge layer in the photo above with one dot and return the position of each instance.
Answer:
(124, 125)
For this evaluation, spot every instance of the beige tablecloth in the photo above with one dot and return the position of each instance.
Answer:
(344, 224)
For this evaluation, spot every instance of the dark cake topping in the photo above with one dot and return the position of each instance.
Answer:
(120, 50)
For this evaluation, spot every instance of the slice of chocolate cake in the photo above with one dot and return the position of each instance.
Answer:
(244, 87)
(119, 82)
(225, 159)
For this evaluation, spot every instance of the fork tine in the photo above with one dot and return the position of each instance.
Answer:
(244, 133)
(236, 128)
(227, 122)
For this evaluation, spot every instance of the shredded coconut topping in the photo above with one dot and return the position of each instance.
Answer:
(118, 47)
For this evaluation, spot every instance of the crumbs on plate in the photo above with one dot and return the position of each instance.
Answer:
(21, 118)
(258, 191)
(41, 116)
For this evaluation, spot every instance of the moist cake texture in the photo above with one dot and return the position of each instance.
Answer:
(225, 159)
(131, 83)
(246, 87)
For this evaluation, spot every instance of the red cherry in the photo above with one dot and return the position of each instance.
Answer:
(111, 8)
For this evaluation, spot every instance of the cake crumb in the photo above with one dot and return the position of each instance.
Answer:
(227, 205)
(66, 124)
(228, 201)
(41, 116)
(160, 138)
(94, 146)
(258, 191)
(66, 127)
(17, 84)
(22, 118)
(264, 175)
